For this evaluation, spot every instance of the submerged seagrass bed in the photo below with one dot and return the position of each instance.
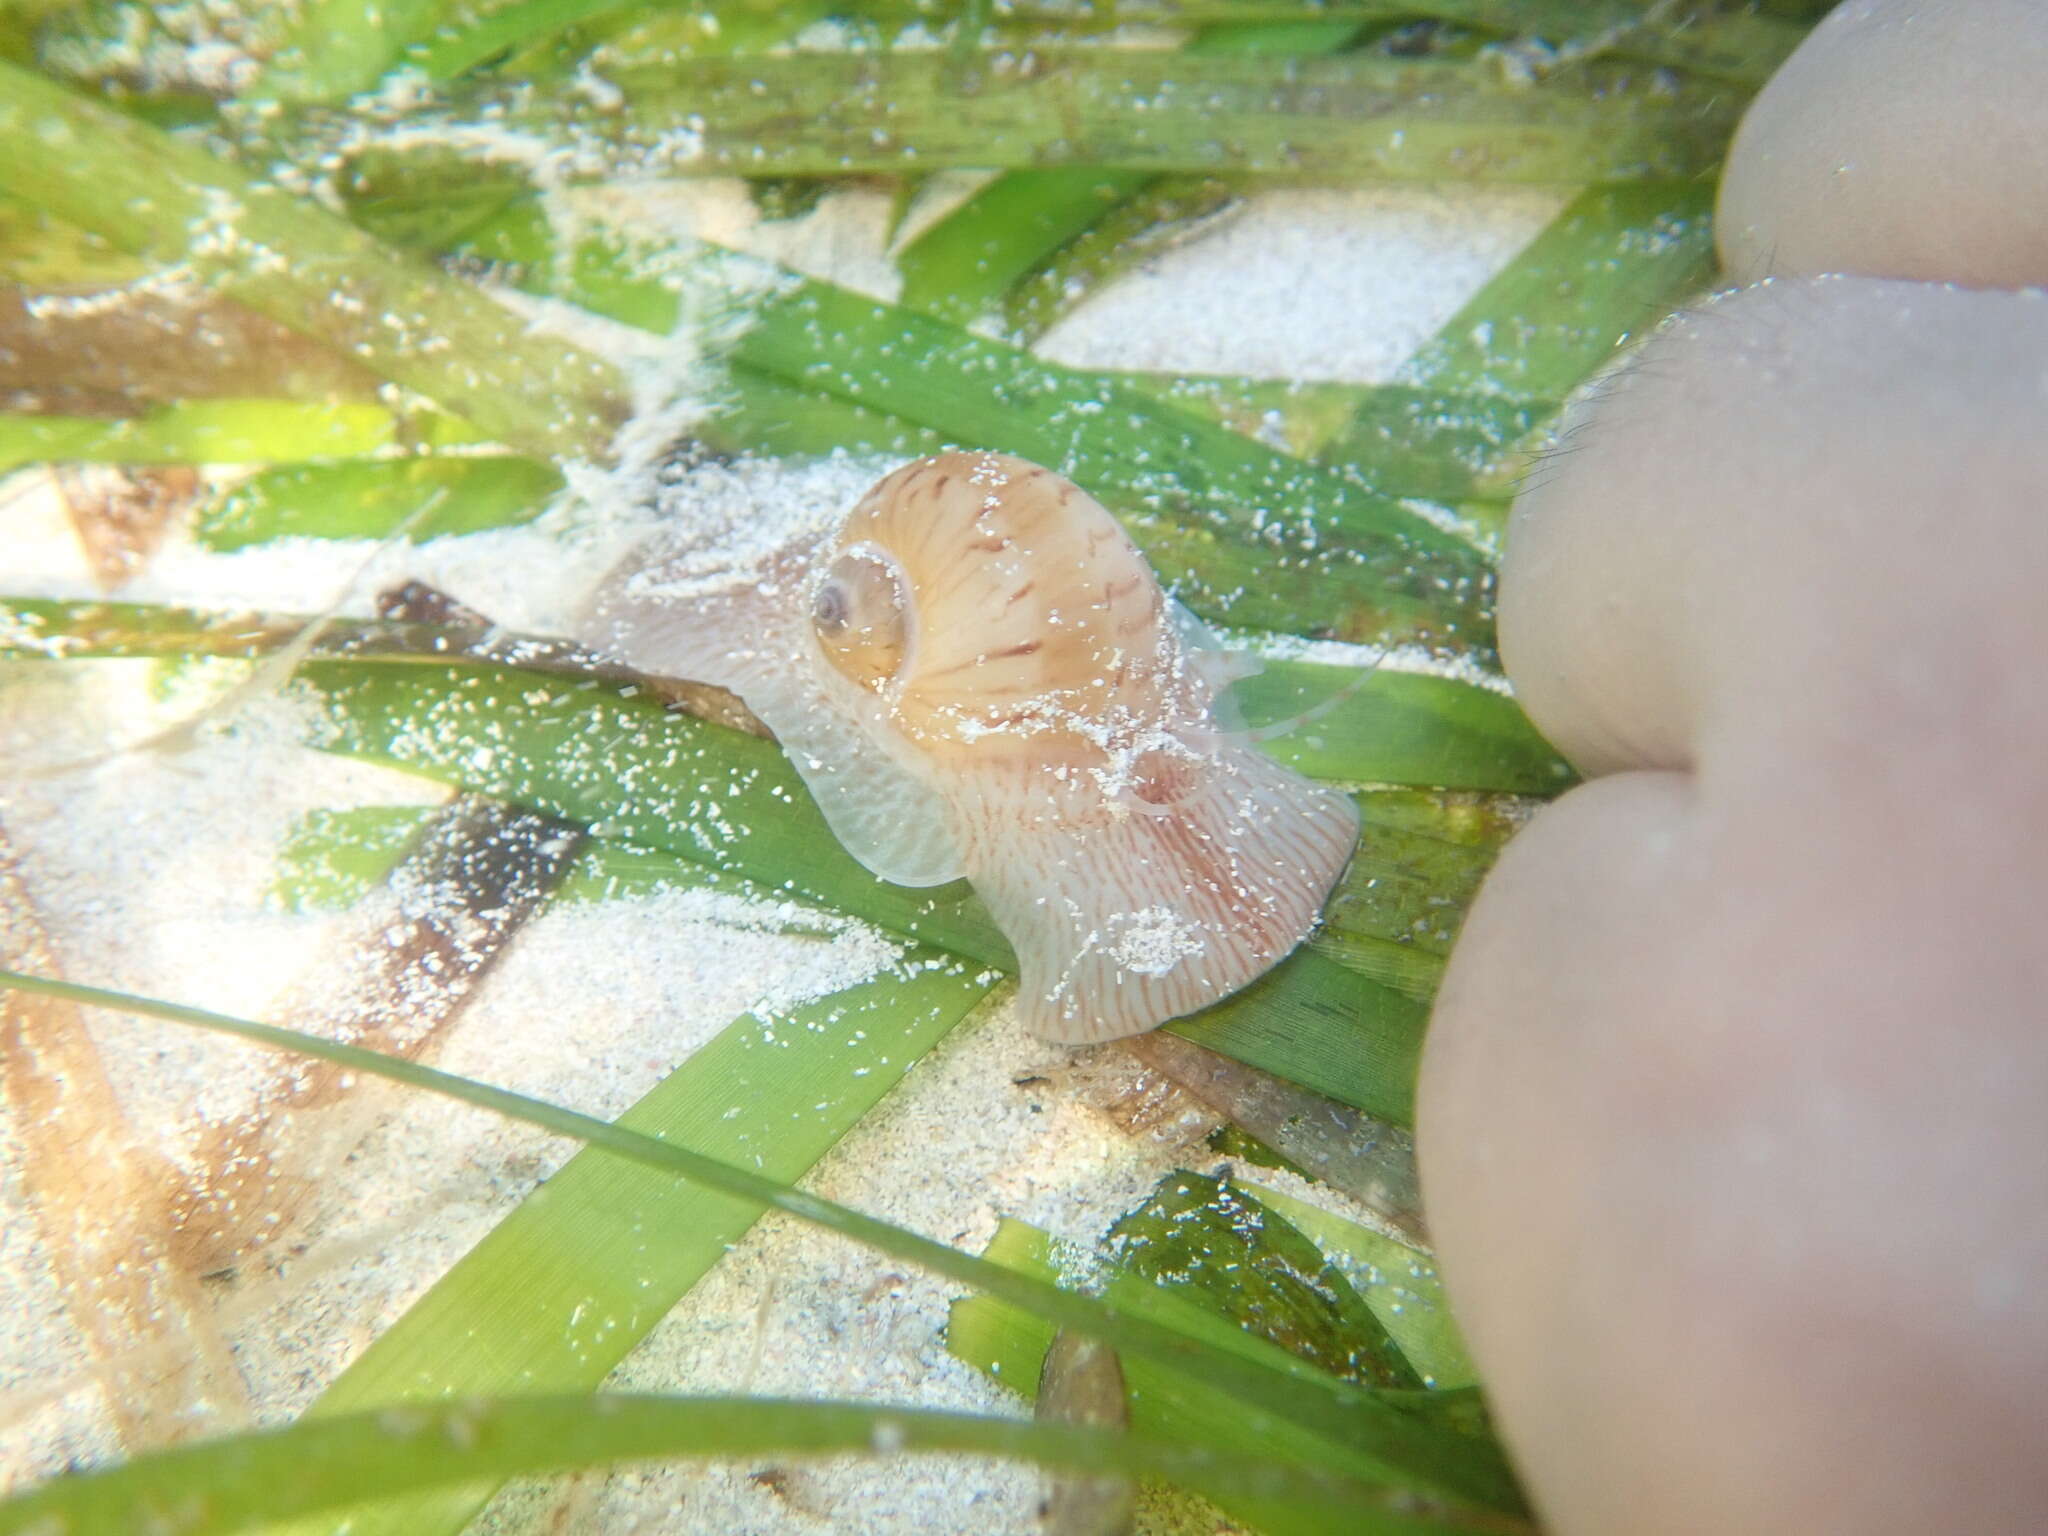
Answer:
(322, 405)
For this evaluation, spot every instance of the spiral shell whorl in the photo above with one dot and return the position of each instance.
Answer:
(1027, 608)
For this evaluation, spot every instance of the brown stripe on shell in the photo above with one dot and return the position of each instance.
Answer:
(1028, 675)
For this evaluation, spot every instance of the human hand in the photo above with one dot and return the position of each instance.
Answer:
(1734, 1116)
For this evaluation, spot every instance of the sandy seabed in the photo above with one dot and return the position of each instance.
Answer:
(152, 872)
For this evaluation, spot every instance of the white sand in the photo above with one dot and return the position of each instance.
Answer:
(152, 873)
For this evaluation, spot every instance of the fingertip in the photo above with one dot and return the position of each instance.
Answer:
(1901, 139)
(1771, 523)
(1730, 1137)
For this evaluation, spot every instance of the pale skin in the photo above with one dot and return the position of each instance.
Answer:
(1734, 1116)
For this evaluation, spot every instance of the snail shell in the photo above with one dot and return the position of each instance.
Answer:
(977, 674)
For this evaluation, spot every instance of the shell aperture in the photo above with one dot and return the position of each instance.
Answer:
(977, 673)
(863, 618)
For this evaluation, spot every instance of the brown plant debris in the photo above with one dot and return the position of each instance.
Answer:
(417, 603)
(98, 1191)
(121, 514)
(119, 352)
(1346, 1148)
(418, 945)
(1082, 1383)
(1143, 1103)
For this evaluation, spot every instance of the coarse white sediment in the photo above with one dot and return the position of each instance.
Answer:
(153, 873)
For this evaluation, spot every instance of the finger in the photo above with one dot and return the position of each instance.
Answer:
(1726, 1049)
(1902, 139)
(1733, 1150)
(1807, 519)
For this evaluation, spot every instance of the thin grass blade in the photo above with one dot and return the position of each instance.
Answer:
(561, 1290)
(1010, 1344)
(201, 432)
(372, 499)
(1609, 267)
(711, 795)
(333, 857)
(1247, 535)
(1382, 1428)
(174, 204)
(314, 1467)
(1398, 1282)
(847, 113)
(980, 252)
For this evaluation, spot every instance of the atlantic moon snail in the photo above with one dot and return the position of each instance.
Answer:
(977, 674)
